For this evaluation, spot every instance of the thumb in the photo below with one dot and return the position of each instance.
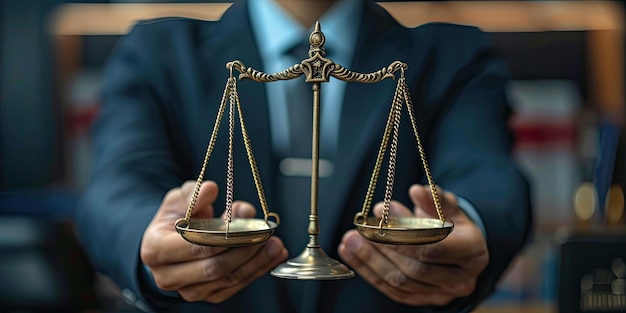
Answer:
(207, 194)
(395, 209)
(242, 209)
(424, 204)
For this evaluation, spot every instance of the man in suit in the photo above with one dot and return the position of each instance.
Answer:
(162, 89)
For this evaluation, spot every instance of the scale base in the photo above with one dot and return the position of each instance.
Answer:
(312, 264)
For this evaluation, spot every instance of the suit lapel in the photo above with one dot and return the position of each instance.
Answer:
(363, 117)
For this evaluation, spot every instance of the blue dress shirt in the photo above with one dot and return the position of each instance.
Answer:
(340, 26)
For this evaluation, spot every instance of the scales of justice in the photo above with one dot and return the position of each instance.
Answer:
(313, 262)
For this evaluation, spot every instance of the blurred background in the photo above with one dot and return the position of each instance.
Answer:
(567, 60)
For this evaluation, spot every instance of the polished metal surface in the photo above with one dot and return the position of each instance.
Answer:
(312, 263)
(213, 232)
(405, 230)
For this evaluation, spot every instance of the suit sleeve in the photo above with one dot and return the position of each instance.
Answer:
(471, 148)
(132, 167)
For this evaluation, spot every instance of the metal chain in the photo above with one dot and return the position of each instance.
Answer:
(210, 149)
(401, 96)
(230, 182)
(431, 183)
(253, 166)
(381, 153)
(393, 153)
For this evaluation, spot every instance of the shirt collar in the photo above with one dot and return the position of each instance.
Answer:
(276, 31)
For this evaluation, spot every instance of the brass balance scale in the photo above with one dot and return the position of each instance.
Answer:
(313, 262)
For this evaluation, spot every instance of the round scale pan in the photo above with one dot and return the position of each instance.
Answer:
(405, 230)
(212, 231)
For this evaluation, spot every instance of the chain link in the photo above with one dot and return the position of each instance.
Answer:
(393, 153)
(228, 211)
(431, 183)
(210, 148)
(401, 95)
(381, 153)
(255, 171)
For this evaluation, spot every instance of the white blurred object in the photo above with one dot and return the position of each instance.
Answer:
(547, 141)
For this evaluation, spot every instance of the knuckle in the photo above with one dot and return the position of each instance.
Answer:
(465, 289)
(395, 278)
(199, 251)
(365, 254)
(163, 282)
(415, 269)
(232, 279)
(377, 281)
(211, 269)
(431, 252)
(149, 256)
(191, 295)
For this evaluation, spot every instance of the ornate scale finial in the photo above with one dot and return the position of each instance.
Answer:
(317, 40)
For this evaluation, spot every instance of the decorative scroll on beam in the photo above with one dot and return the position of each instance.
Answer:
(317, 68)
(335, 70)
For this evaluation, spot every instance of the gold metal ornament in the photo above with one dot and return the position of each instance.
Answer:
(313, 262)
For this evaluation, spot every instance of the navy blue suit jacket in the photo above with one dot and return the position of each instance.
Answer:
(163, 85)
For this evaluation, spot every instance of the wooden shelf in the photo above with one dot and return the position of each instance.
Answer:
(491, 16)
(116, 19)
(603, 20)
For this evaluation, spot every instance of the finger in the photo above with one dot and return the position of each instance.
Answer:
(392, 283)
(464, 242)
(378, 264)
(452, 280)
(395, 209)
(465, 248)
(176, 202)
(174, 249)
(176, 276)
(242, 209)
(172, 206)
(159, 250)
(207, 194)
(355, 247)
(422, 198)
(272, 254)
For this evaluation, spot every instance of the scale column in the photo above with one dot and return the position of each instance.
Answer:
(314, 225)
(313, 262)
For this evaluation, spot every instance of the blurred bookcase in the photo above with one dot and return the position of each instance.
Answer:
(567, 62)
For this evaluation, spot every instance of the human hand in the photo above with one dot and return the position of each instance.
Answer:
(202, 273)
(433, 274)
